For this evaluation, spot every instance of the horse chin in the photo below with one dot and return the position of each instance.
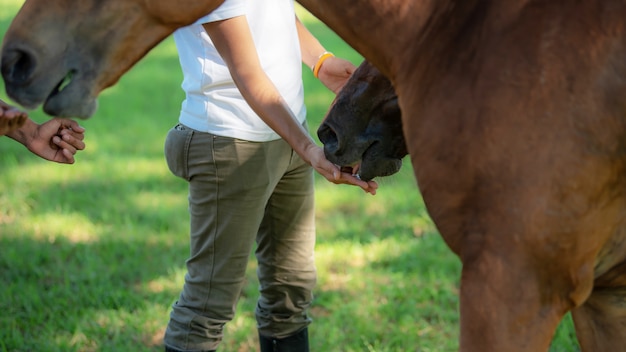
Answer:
(379, 168)
(71, 100)
(375, 163)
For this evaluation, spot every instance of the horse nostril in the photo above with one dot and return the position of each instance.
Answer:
(17, 66)
(329, 138)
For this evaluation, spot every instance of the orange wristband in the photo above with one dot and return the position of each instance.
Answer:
(316, 68)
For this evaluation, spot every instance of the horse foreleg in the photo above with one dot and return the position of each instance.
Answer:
(511, 303)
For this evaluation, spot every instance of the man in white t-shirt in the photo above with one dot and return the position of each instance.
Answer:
(242, 145)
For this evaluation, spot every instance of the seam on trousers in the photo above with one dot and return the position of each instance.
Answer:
(186, 154)
(217, 223)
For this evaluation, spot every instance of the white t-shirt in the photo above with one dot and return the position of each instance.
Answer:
(213, 103)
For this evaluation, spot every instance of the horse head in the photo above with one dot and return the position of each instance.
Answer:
(63, 53)
(363, 128)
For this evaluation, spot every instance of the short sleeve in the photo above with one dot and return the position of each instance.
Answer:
(228, 9)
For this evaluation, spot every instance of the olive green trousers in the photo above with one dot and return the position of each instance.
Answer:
(242, 192)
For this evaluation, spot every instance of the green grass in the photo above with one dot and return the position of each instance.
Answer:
(92, 255)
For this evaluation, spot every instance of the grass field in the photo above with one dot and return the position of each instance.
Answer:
(92, 255)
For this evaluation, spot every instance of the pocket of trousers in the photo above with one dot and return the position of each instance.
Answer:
(177, 150)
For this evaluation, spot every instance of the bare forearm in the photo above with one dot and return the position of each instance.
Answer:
(263, 98)
(333, 72)
(233, 41)
(310, 47)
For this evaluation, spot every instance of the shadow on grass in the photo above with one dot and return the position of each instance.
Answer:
(93, 264)
(83, 296)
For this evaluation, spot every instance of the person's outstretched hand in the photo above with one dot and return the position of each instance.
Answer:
(56, 140)
(333, 173)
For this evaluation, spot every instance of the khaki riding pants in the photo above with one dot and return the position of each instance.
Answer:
(241, 192)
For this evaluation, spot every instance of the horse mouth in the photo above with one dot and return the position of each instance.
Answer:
(352, 170)
(64, 83)
(32, 78)
(373, 164)
(70, 98)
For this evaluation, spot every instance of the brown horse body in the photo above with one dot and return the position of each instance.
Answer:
(516, 127)
(513, 113)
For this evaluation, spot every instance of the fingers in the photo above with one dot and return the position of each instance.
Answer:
(74, 138)
(75, 127)
(337, 177)
(69, 156)
(69, 142)
(367, 186)
(333, 173)
(68, 126)
(70, 138)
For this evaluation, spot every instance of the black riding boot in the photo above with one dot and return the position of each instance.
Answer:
(298, 342)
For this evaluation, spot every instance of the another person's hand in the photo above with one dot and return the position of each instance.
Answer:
(11, 118)
(56, 140)
(333, 173)
(335, 72)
